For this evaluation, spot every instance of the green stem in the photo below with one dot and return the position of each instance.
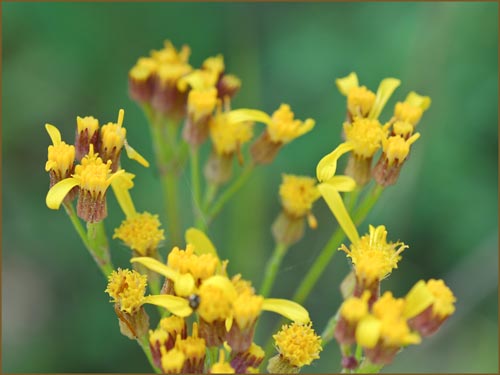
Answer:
(210, 193)
(328, 332)
(195, 181)
(143, 341)
(272, 267)
(365, 207)
(101, 255)
(230, 191)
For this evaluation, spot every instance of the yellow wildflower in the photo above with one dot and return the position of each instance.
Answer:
(127, 288)
(87, 132)
(298, 344)
(194, 349)
(172, 362)
(283, 128)
(396, 148)
(141, 233)
(354, 309)
(298, 193)
(60, 158)
(412, 108)
(186, 261)
(228, 136)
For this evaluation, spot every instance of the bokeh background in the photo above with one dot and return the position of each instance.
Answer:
(62, 60)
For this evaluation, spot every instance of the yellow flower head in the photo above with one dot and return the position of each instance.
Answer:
(227, 137)
(214, 64)
(360, 101)
(217, 295)
(193, 347)
(127, 289)
(373, 257)
(141, 233)
(172, 64)
(61, 156)
(444, 300)
(283, 128)
(88, 124)
(186, 261)
(353, 309)
(402, 128)
(221, 367)
(201, 103)
(365, 135)
(396, 148)
(241, 285)
(172, 362)
(298, 194)
(412, 108)
(298, 344)
(143, 69)
(173, 325)
(388, 307)
(246, 309)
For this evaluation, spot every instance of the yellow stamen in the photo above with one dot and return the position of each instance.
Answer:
(283, 128)
(221, 367)
(141, 233)
(396, 148)
(186, 261)
(365, 136)
(127, 288)
(298, 344)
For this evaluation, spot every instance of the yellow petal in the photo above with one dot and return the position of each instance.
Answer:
(342, 183)
(134, 155)
(121, 185)
(327, 166)
(306, 126)
(417, 100)
(368, 331)
(54, 134)
(202, 244)
(244, 115)
(58, 192)
(224, 284)
(49, 165)
(157, 266)
(184, 284)
(176, 305)
(336, 205)
(417, 300)
(289, 309)
(121, 114)
(384, 92)
(229, 322)
(347, 83)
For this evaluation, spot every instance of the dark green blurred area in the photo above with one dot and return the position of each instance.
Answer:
(63, 60)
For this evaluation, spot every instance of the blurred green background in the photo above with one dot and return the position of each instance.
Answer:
(63, 60)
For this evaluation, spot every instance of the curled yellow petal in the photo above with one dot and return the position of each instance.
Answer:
(229, 322)
(417, 300)
(342, 183)
(384, 92)
(327, 166)
(121, 186)
(416, 100)
(347, 83)
(336, 205)
(58, 192)
(244, 115)
(368, 331)
(134, 155)
(176, 305)
(289, 309)
(202, 244)
(121, 114)
(54, 134)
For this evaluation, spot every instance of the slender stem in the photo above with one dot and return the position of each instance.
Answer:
(365, 207)
(328, 332)
(272, 267)
(101, 256)
(143, 341)
(210, 193)
(195, 181)
(230, 191)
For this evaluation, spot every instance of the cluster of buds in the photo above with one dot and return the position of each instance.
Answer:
(98, 152)
(365, 135)
(227, 310)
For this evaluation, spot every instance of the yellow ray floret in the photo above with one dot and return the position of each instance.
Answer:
(298, 344)
(434, 293)
(141, 233)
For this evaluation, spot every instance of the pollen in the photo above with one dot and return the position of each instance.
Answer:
(186, 261)
(227, 137)
(406, 112)
(60, 159)
(354, 308)
(360, 101)
(444, 299)
(298, 193)
(283, 128)
(373, 257)
(365, 135)
(246, 310)
(396, 148)
(141, 233)
(92, 174)
(298, 344)
(127, 288)
(201, 103)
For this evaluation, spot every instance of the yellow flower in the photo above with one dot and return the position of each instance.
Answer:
(298, 193)
(172, 65)
(353, 309)
(298, 344)
(127, 288)
(141, 233)
(412, 108)
(144, 69)
(221, 367)
(373, 257)
(361, 102)
(396, 149)
(87, 132)
(60, 158)
(194, 349)
(434, 293)
(93, 177)
(186, 261)
(201, 103)
(228, 136)
(172, 362)
(365, 136)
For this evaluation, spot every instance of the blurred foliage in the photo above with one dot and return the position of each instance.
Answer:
(61, 60)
